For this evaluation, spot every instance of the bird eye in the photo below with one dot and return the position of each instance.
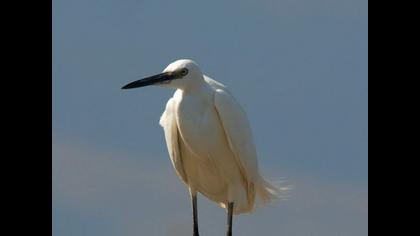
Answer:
(184, 72)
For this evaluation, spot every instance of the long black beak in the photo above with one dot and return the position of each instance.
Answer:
(159, 78)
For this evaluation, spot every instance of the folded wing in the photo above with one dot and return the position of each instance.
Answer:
(238, 133)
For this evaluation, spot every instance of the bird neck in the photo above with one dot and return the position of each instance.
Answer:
(200, 90)
(197, 85)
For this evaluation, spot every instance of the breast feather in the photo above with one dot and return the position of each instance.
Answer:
(169, 125)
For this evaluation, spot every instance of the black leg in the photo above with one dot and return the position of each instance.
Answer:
(195, 223)
(229, 219)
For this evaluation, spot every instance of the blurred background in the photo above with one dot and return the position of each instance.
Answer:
(298, 67)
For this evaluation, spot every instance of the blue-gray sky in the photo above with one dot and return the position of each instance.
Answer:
(298, 67)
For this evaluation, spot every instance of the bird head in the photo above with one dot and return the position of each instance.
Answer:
(179, 74)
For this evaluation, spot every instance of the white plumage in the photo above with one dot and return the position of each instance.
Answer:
(210, 141)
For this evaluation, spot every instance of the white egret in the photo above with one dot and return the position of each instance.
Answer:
(209, 141)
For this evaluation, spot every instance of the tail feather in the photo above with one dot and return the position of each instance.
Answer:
(267, 191)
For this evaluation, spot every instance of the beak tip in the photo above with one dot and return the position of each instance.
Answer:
(126, 87)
